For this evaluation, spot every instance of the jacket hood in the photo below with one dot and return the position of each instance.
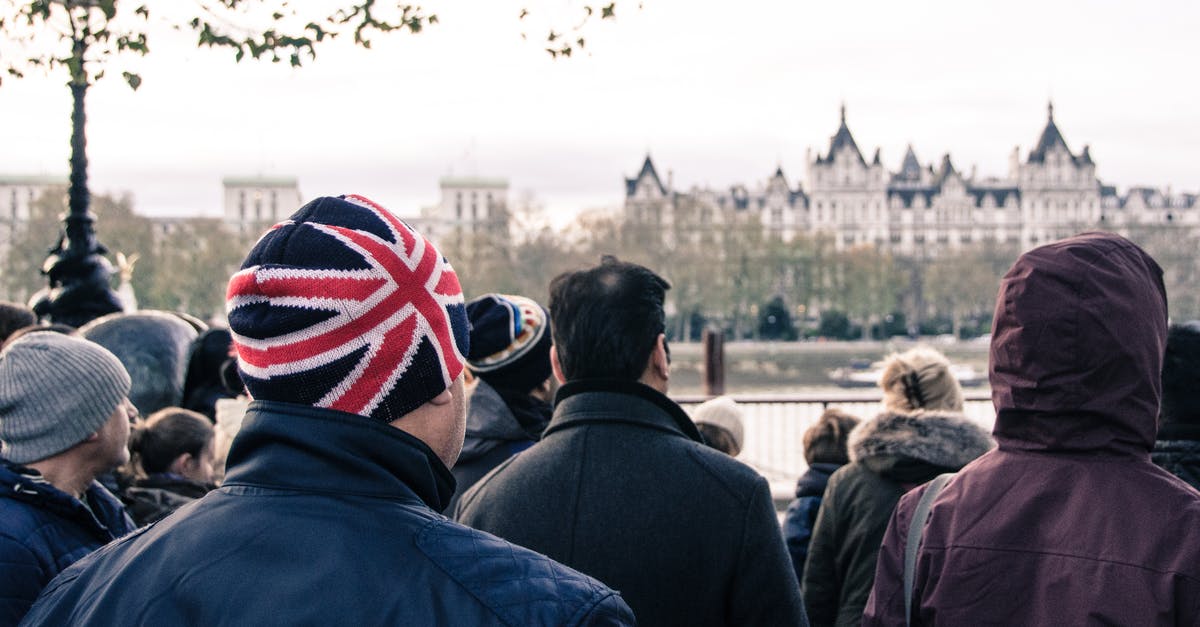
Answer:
(814, 480)
(491, 421)
(944, 439)
(1077, 343)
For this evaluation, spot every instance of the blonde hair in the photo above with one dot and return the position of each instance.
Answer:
(920, 378)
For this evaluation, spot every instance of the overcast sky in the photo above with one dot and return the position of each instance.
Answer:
(717, 92)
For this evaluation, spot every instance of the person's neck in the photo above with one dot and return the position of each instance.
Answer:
(62, 473)
(652, 379)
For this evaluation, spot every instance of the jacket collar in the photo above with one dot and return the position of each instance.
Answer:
(590, 401)
(298, 447)
(26, 484)
(814, 480)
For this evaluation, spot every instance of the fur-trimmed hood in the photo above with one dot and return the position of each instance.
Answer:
(945, 439)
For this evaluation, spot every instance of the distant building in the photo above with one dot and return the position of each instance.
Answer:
(17, 197)
(1052, 193)
(469, 207)
(253, 204)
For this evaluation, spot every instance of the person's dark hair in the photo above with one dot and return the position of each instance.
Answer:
(825, 440)
(1181, 375)
(605, 320)
(64, 329)
(719, 438)
(203, 383)
(167, 434)
(13, 317)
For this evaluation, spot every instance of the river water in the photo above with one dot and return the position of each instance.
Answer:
(793, 367)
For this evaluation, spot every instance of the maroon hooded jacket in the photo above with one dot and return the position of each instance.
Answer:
(1067, 522)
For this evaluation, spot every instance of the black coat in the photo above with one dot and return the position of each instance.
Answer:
(324, 519)
(499, 425)
(890, 454)
(1178, 452)
(152, 498)
(621, 488)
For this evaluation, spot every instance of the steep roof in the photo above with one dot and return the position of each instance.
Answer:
(1051, 137)
(946, 169)
(843, 140)
(910, 168)
(647, 171)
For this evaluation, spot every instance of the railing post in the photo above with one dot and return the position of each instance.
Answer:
(714, 362)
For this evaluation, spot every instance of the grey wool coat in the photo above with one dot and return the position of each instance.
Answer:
(621, 488)
(889, 455)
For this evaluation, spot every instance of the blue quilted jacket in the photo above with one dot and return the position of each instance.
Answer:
(801, 514)
(324, 519)
(44, 530)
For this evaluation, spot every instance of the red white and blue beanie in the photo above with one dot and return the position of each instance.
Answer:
(344, 306)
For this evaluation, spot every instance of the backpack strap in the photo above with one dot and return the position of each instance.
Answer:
(912, 544)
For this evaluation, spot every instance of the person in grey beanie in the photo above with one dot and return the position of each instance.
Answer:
(64, 419)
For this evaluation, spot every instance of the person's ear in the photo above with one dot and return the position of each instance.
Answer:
(660, 359)
(180, 464)
(556, 367)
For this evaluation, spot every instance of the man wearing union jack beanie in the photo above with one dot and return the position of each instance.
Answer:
(351, 335)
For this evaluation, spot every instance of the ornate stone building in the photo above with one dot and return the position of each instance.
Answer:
(920, 209)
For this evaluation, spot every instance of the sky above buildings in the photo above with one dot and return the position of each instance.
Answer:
(717, 92)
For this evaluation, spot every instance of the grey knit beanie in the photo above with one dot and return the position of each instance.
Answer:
(55, 391)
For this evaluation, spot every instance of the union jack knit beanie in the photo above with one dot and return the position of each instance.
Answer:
(344, 306)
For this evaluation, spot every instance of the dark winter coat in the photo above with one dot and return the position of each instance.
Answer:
(324, 519)
(801, 514)
(152, 498)
(499, 426)
(1178, 452)
(44, 530)
(1068, 522)
(621, 488)
(889, 455)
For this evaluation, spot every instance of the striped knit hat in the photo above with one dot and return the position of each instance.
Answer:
(344, 306)
(510, 342)
(55, 391)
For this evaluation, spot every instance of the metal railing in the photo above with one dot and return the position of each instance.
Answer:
(775, 424)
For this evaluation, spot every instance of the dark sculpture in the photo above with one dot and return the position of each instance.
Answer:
(154, 347)
(80, 290)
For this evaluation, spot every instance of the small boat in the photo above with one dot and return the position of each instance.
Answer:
(862, 374)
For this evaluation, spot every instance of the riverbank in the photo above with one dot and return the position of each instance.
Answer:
(801, 367)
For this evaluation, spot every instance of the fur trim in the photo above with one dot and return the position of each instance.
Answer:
(945, 439)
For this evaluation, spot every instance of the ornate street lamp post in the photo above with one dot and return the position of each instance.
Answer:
(78, 273)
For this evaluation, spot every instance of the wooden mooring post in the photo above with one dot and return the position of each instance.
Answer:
(714, 362)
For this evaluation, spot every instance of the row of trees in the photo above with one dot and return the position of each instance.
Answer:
(752, 285)
(737, 278)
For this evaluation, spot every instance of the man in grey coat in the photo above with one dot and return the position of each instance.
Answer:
(621, 487)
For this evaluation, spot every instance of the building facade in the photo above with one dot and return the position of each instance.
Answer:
(1050, 193)
(469, 207)
(252, 204)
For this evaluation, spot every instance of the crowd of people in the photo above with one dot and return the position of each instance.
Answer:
(388, 452)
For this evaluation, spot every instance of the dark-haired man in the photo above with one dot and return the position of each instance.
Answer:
(621, 487)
